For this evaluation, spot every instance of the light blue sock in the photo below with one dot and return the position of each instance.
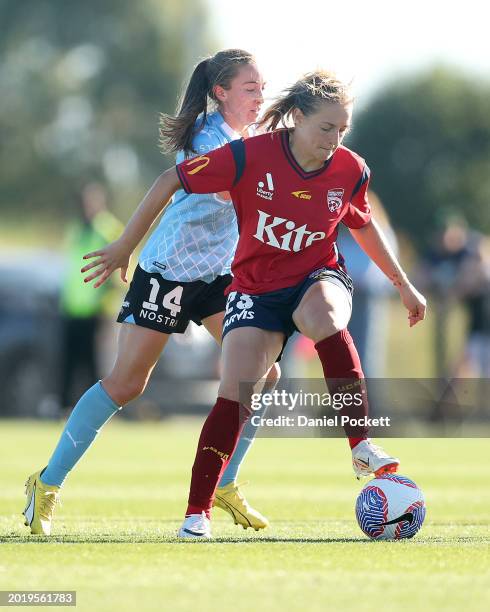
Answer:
(244, 443)
(91, 412)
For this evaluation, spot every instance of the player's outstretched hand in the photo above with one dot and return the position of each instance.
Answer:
(414, 302)
(113, 256)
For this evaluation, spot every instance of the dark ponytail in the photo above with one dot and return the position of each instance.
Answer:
(177, 133)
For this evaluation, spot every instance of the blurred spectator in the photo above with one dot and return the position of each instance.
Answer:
(81, 306)
(452, 253)
(472, 287)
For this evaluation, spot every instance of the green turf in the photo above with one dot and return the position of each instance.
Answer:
(114, 535)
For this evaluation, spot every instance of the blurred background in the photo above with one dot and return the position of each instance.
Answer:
(81, 86)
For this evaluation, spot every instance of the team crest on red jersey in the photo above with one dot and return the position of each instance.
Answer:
(334, 199)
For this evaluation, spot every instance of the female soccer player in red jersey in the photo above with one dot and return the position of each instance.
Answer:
(291, 188)
(182, 274)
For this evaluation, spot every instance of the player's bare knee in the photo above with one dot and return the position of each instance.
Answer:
(327, 332)
(311, 322)
(123, 391)
(237, 391)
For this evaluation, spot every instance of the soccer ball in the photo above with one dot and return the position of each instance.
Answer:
(390, 507)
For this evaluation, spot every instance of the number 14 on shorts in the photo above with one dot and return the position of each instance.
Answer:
(171, 300)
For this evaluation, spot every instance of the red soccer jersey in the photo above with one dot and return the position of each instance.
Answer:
(287, 217)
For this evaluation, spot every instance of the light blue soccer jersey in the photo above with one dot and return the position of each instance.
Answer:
(198, 233)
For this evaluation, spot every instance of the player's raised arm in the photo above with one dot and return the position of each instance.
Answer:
(118, 253)
(371, 239)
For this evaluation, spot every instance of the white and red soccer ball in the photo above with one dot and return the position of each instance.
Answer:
(390, 507)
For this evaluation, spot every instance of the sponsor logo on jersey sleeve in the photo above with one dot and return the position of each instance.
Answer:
(202, 161)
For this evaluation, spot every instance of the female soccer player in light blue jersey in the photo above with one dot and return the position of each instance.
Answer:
(181, 276)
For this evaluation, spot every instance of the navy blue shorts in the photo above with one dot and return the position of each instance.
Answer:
(274, 310)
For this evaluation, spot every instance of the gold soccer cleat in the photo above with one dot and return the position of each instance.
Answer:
(230, 499)
(41, 502)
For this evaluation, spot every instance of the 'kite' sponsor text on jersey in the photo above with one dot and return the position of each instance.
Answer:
(266, 234)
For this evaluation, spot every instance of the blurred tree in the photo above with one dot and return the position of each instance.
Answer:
(82, 84)
(427, 140)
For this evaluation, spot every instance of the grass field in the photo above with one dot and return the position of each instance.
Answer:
(114, 536)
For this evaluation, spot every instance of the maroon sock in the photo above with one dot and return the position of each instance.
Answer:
(343, 373)
(219, 437)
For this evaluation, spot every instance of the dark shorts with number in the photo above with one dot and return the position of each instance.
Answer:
(168, 306)
(274, 310)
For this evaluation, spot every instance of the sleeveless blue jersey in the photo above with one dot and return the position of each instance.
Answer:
(198, 233)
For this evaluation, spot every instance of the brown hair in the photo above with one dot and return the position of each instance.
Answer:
(176, 133)
(306, 94)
